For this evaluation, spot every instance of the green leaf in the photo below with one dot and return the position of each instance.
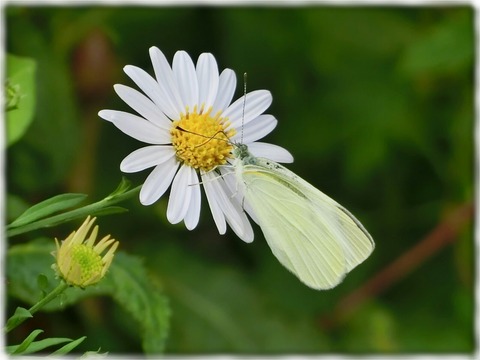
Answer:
(36, 346)
(122, 188)
(19, 315)
(48, 207)
(134, 291)
(69, 347)
(127, 282)
(110, 210)
(20, 349)
(15, 207)
(21, 96)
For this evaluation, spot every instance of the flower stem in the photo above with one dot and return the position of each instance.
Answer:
(74, 214)
(52, 295)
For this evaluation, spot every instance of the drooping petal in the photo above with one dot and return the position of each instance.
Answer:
(137, 127)
(226, 88)
(270, 151)
(234, 214)
(158, 181)
(245, 231)
(186, 78)
(228, 175)
(146, 157)
(256, 129)
(207, 74)
(208, 180)
(256, 103)
(180, 195)
(193, 213)
(143, 105)
(165, 79)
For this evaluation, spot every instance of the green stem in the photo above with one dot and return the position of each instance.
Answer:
(52, 295)
(73, 214)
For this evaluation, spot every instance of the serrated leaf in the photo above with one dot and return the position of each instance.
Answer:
(127, 282)
(21, 83)
(19, 315)
(69, 347)
(26, 343)
(48, 207)
(134, 293)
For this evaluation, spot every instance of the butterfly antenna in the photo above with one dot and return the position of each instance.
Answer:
(244, 102)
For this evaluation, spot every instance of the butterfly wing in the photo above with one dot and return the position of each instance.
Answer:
(309, 233)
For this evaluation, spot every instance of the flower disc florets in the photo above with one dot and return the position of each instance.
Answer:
(201, 140)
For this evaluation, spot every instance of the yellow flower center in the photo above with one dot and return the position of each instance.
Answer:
(86, 264)
(201, 140)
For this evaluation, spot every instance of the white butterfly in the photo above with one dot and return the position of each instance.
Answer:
(313, 236)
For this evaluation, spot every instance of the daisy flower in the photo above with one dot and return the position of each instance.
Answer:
(186, 117)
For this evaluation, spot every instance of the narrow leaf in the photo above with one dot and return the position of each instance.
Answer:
(69, 347)
(122, 188)
(19, 315)
(48, 207)
(25, 343)
(37, 346)
(109, 211)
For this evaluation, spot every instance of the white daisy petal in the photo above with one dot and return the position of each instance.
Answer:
(152, 89)
(193, 213)
(226, 88)
(207, 74)
(158, 181)
(164, 75)
(270, 151)
(180, 195)
(232, 210)
(256, 129)
(208, 180)
(143, 105)
(246, 233)
(137, 127)
(257, 102)
(230, 179)
(184, 73)
(146, 157)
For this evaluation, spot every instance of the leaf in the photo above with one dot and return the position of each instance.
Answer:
(122, 188)
(133, 291)
(19, 315)
(19, 349)
(69, 347)
(127, 282)
(21, 86)
(109, 211)
(48, 207)
(36, 346)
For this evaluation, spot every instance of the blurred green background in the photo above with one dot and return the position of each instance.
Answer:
(376, 105)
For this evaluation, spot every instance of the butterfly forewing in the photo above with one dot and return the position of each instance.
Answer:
(304, 242)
